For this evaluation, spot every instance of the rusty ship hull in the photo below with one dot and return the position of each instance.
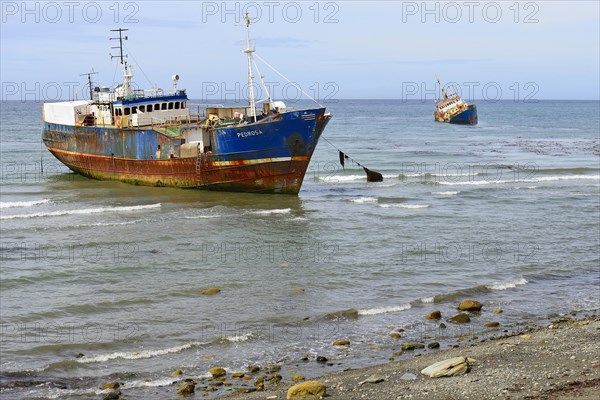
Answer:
(268, 156)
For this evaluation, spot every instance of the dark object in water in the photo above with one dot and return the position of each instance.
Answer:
(373, 176)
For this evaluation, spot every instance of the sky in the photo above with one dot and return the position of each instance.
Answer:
(505, 50)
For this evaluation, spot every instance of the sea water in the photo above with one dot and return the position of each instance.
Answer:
(100, 280)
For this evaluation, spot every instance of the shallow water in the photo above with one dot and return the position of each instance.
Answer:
(506, 212)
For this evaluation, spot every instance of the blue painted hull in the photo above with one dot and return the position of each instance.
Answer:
(467, 117)
(269, 156)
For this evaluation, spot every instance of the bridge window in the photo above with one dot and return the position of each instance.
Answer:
(134, 110)
(183, 104)
(177, 105)
(163, 106)
(127, 111)
(149, 108)
(170, 105)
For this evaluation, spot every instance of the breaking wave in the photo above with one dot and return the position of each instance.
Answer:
(83, 211)
(137, 355)
(155, 383)
(449, 193)
(364, 200)
(384, 310)
(408, 206)
(14, 204)
(272, 212)
(508, 285)
(202, 216)
(532, 180)
(352, 178)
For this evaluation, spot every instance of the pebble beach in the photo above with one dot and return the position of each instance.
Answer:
(559, 361)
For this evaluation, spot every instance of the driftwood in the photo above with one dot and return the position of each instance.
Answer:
(450, 367)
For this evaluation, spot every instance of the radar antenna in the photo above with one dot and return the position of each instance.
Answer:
(120, 46)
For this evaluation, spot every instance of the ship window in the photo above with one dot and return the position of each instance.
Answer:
(149, 108)
(142, 108)
(170, 105)
(183, 104)
(163, 106)
(156, 107)
(134, 110)
(177, 105)
(126, 110)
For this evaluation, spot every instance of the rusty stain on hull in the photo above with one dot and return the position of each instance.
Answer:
(268, 177)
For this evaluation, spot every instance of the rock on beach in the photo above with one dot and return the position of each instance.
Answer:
(437, 314)
(217, 372)
(460, 318)
(469, 305)
(306, 390)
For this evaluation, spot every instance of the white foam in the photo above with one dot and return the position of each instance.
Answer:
(112, 223)
(83, 211)
(517, 180)
(384, 310)
(137, 355)
(271, 212)
(154, 383)
(407, 206)
(351, 178)
(239, 338)
(454, 175)
(427, 300)
(203, 216)
(507, 285)
(342, 178)
(443, 175)
(13, 204)
(55, 393)
(449, 193)
(363, 200)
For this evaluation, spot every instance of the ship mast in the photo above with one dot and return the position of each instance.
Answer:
(89, 75)
(127, 74)
(441, 87)
(249, 52)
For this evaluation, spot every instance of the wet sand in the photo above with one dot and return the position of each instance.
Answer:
(557, 362)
